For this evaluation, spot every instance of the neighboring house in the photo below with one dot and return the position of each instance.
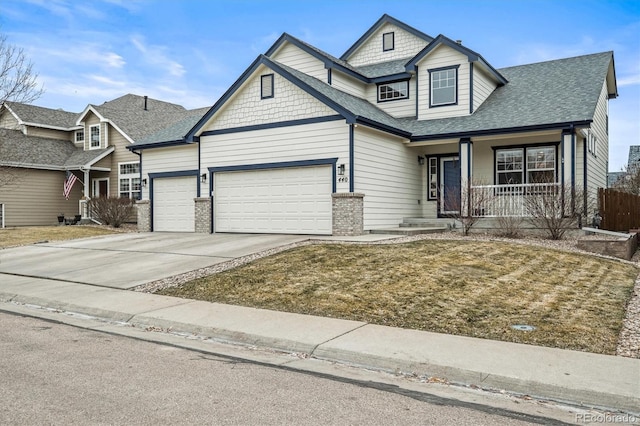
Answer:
(38, 146)
(307, 143)
(633, 163)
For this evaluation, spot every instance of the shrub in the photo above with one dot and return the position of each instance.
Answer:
(111, 211)
(509, 226)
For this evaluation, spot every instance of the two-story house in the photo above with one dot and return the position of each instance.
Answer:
(308, 143)
(40, 146)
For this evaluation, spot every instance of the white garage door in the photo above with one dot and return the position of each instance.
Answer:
(173, 205)
(295, 200)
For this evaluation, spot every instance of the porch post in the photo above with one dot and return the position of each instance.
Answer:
(567, 168)
(84, 208)
(466, 161)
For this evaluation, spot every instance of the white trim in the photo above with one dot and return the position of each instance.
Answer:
(130, 177)
(102, 120)
(42, 125)
(95, 186)
(90, 140)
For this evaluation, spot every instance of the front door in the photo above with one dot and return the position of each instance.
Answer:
(449, 185)
(100, 187)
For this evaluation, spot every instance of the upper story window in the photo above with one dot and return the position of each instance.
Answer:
(94, 132)
(526, 165)
(392, 91)
(266, 86)
(79, 135)
(388, 41)
(444, 86)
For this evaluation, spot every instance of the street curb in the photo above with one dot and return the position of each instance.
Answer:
(342, 341)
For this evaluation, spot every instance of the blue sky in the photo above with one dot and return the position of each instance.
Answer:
(190, 51)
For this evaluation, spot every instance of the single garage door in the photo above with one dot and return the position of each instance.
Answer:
(173, 205)
(294, 200)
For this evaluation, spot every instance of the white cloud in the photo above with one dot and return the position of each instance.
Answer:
(155, 55)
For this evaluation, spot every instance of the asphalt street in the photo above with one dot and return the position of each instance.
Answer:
(53, 373)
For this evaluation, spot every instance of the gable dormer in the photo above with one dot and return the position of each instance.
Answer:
(387, 40)
(453, 80)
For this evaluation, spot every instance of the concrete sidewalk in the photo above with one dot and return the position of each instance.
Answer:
(577, 377)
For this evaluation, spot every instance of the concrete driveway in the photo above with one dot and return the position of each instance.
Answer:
(128, 260)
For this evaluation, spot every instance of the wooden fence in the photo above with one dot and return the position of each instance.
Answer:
(620, 211)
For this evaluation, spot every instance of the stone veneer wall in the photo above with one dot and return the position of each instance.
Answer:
(144, 215)
(348, 218)
(621, 248)
(203, 215)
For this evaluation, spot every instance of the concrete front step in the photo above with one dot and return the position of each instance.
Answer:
(409, 230)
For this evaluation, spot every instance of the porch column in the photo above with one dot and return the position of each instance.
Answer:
(84, 208)
(466, 162)
(568, 165)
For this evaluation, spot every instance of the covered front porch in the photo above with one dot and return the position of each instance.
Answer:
(501, 175)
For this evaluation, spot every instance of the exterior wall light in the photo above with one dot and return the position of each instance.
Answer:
(144, 183)
(203, 178)
(341, 170)
(420, 160)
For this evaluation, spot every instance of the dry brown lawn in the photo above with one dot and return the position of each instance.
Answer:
(471, 288)
(10, 237)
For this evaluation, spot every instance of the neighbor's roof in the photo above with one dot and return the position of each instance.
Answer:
(44, 116)
(129, 115)
(634, 156)
(20, 150)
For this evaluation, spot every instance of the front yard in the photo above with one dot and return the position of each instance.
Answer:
(20, 236)
(472, 288)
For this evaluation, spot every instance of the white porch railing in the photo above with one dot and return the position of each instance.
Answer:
(508, 200)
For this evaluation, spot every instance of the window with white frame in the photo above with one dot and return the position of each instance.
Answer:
(393, 91)
(444, 90)
(592, 143)
(79, 136)
(129, 180)
(94, 134)
(266, 86)
(388, 42)
(526, 165)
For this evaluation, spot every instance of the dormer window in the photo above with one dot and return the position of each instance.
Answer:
(94, 132)
(388, 42)
(79, 136)
(266, 86)
(444, 86)
(393, 91)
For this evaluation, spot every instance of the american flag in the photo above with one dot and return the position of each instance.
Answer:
(68, 184)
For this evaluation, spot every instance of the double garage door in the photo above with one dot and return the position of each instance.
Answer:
(293, 200)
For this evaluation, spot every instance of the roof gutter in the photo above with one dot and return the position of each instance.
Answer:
(501, 131)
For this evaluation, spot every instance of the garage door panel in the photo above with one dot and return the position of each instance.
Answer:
(289, 200)
(173, 205)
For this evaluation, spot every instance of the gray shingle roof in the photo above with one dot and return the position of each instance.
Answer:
(634, 156)
(384, 68)
(355, 105)
(44, 116)
(128, 113)
(21, 150)
(177, 130)
(552, 92)
(545, 93)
